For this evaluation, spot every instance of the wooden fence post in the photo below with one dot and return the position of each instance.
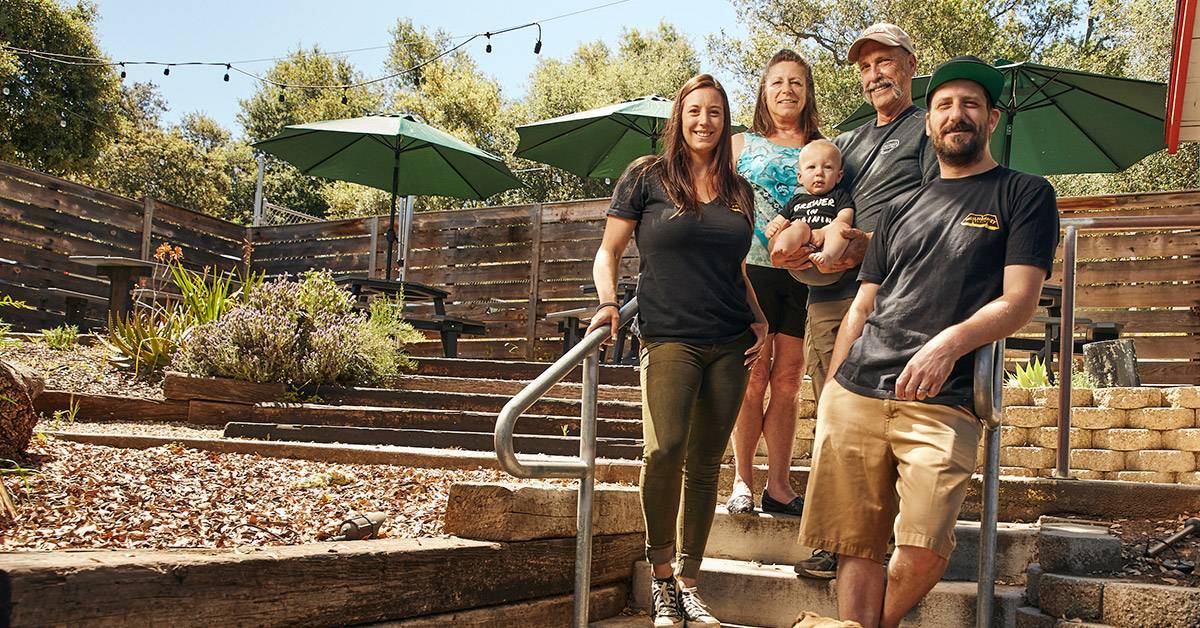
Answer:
(535, 265)
(147, 226)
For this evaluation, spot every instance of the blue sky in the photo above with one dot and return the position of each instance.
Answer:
(225, 30)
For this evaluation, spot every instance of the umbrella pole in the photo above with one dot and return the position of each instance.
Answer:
(1008, 131)
(391, 232)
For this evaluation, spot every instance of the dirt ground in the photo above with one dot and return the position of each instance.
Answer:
(84, 369)
(73, 495)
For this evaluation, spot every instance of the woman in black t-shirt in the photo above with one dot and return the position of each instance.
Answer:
(700, 325)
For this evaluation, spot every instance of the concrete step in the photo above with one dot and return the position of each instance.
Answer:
(1111, 601)
(755, 594)
(1031, 617)
(769, 538)
(510, 387)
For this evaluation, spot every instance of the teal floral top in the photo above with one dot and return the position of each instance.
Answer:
(771, 171)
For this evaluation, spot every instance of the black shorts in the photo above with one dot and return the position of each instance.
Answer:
(784, 301)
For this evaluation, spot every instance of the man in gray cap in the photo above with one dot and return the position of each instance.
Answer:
(882, 162)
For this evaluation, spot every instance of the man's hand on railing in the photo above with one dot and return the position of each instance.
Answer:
(607, 314)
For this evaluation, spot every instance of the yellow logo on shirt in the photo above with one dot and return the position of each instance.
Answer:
(982, 221)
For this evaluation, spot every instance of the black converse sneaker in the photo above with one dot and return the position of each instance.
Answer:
(695, 610)
(664, 594)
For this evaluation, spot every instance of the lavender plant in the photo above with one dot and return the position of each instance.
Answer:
(300, 333)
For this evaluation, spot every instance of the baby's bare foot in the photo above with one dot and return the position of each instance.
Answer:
(820, 259)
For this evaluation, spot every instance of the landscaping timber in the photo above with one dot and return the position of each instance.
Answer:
(219, 413)
(606, 602)
(478, 441)
(93, 407)
(319, 584)
(512, 369)
(496, 511)
(184, 387)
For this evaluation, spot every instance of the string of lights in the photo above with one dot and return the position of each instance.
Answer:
(235, 66)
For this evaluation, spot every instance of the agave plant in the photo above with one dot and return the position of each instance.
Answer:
(146, 340)
(1033, 376)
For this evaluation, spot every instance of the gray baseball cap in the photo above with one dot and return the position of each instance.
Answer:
(884, 33)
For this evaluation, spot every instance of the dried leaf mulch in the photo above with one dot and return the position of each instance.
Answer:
(87, 496)
(84, 369)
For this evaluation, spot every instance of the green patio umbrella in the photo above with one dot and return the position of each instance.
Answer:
(1062, 121)
(396, 153)
(598, 142)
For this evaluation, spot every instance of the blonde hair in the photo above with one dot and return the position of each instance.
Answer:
(821, 144)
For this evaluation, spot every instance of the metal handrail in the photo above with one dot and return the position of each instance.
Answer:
(989, 389)
(583, 467)
(1067, 336)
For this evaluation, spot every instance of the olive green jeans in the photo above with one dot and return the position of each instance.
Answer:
(690, 400)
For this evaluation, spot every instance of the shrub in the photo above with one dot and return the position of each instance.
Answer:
(300, 333)
(61, 338)
(206, 297)
(146, 340)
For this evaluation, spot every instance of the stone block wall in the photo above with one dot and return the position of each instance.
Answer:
(1132, 434)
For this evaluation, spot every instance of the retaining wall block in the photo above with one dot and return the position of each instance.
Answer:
(1073, 548)
(1168, 460)
(1028, 457)
(1017, 396)
(1048, 397)
(1151, 605)
(1126, 439)
(1012, 436)
(1068, 596)
(1030, 416)
(1098, 418)
(1019, 472)
(1048, 437)
(1162, 418)
(1156, 477)
(806, 409)
(1183, 397)
(1127, 398)
(1097, 459)
(806, 428)
(1191, 477)
(1185, 439)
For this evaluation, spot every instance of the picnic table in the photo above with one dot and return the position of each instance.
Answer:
(122, 273)
(449, 328)
(570, 322)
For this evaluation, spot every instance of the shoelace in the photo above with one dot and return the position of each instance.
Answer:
(693, 605)
(665, 601)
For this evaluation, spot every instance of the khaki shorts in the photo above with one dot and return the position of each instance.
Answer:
(820, 330)
(874, 459)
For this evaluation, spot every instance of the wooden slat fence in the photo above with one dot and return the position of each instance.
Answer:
(510, 266)
(44, 220)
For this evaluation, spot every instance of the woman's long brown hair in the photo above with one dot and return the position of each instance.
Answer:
(673, 164)
(810, 118)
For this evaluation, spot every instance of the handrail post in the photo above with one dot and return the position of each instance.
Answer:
(1066, 350)
(989, 382)
(587, 489)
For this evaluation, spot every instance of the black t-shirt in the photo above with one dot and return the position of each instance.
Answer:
(818, 210)
(938, 259)
(691, 287)
(904, 162)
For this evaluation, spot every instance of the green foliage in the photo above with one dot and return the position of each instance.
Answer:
(1034, 375)
(264, 116)
(63, 418)
(40, 91)
(1080, 378)
(8, 301)
(301, 333)
(205, 296)
(61, 338)
(146, 339)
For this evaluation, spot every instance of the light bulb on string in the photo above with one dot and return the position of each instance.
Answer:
(281, 90)
(227, 72)
(122, 70)
(62, 120)
(344, 98)
(537, 48)
(489, 43)
(6, 91)
(167, 71)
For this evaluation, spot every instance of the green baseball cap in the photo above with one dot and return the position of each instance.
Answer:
(972, 69)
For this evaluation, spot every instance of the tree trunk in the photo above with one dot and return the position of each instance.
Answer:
(18, 387)
(1111, 363)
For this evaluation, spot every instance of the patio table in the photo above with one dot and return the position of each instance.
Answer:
(122, 273)
(626, 290)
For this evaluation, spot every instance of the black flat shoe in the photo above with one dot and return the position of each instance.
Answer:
(771, 505)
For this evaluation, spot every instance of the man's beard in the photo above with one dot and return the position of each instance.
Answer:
(960, 154)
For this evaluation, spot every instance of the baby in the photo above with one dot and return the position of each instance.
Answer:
(819, 216)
